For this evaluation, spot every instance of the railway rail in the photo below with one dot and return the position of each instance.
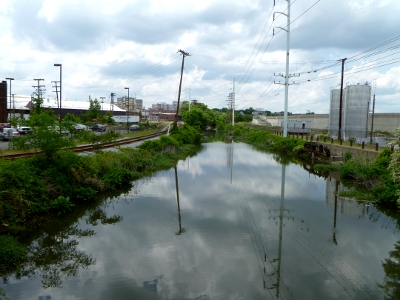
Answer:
(89, 147)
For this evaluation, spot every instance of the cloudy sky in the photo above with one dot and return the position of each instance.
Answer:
(105, 46)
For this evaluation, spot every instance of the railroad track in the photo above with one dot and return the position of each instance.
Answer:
(88, 148)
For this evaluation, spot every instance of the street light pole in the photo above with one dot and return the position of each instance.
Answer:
(8, 78)
(60, 65)
(127, 111)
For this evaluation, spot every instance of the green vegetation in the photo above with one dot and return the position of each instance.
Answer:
(29, 187)
(12, 254)
(262, 139)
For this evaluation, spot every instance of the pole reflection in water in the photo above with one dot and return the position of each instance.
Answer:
(230, 158)
(181, 229)
(281, 211)
(335, 212)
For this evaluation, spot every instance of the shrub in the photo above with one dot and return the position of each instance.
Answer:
(62, 204)
(12, 254)
(186, 135)
(347, 156)
(117, 177)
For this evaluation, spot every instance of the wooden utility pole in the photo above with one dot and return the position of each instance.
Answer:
(180, 86)
(372, 120)
(341, 101)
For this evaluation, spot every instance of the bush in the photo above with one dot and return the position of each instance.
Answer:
(12, 254)
(186, 135)
(347, 156)
(116, 178)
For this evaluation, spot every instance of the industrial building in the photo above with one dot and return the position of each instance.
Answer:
(355, 112)
(21, 105)
(296, 126)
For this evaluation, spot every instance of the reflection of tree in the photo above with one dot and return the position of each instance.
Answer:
(391, 266)
(55, 254)
(99, 215)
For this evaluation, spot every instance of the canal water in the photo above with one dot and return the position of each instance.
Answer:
(228, 223)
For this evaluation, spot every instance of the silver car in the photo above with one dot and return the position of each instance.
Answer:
(8, 133)
(24, 129)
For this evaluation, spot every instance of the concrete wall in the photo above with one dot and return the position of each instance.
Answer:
(340, 150)
(382, 121)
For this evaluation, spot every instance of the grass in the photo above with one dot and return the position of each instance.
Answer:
(358, 195)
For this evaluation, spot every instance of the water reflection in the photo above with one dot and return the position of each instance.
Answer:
(391, 266)
(258, 230)
(181, 230)
(54, 254)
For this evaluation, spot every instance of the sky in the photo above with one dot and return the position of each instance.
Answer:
(233, 45)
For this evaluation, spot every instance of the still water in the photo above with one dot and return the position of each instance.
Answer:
(229, 223)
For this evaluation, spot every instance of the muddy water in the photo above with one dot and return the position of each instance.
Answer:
(229, 223)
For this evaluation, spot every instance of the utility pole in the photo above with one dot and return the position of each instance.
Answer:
(112, 101)
(56, 91)
(341, 102)
(8, 78)
(372, 121)
(102, 101)
(39, 88)
(184, 54)
(287, 29)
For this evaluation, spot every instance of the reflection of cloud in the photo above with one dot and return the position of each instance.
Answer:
(232, 237)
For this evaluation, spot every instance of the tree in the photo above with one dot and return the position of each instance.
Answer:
(196, 118)
(94, 110)
(71, 118)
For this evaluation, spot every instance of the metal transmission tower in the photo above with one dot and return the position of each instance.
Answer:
(231, 102)
(287, 29)
(184, 54)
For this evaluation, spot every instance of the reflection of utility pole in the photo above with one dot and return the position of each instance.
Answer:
(335, 212)
(181, 230)
(230, 158)
(281, 210)
(281, 216)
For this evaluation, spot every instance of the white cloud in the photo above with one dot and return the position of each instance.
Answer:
(105, 46)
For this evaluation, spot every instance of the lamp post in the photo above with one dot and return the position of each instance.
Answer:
(60, 65)
(127, 111)
(8, 78)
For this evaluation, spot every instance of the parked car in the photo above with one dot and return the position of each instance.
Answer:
(79, 127)
(56, 128)
(134, 127)
(8, 133)
(98, 127)
(24, 129)
(5, 125)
